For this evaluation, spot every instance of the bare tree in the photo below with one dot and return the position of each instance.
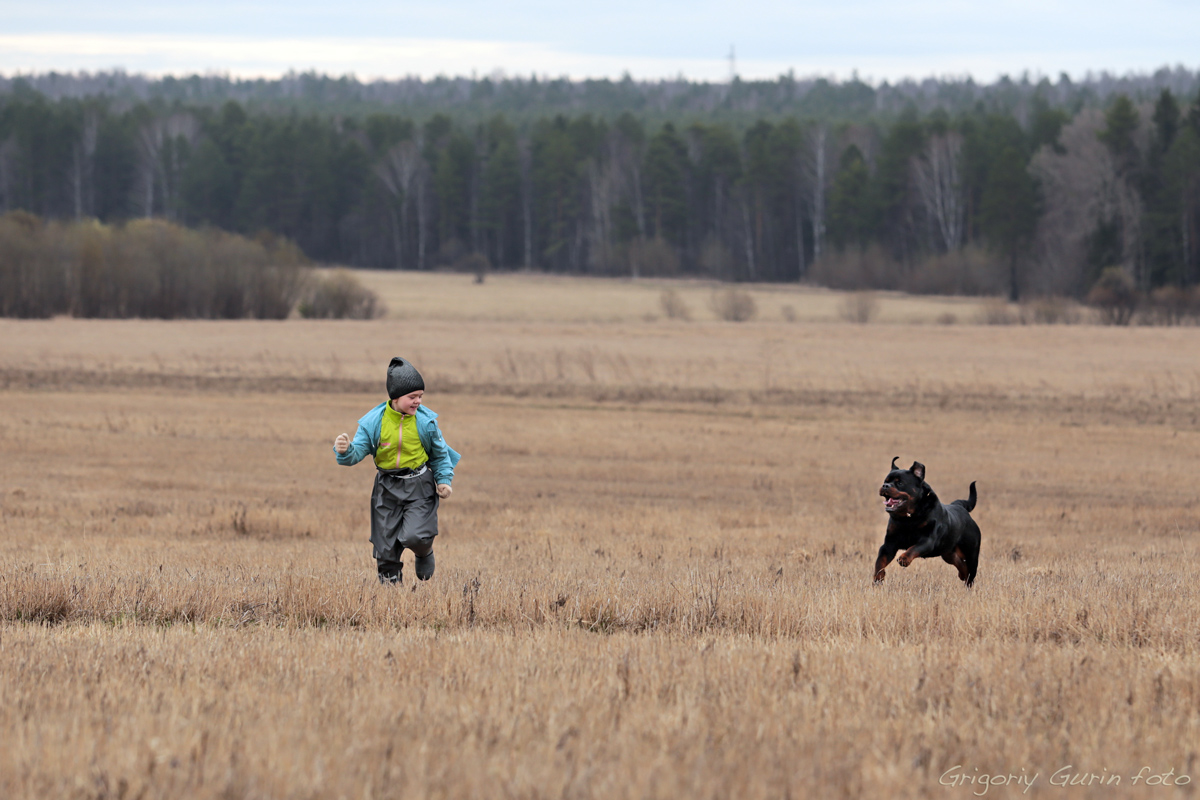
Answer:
(749, 233)
(819, 182)
(801, 265)
(604, 182)
(422, 217)
(160, 160)
(1081, 188)
(399, 170)
(83, 155)
(149, 142)
(525, 154)
(478, 168)
(937, 174)
(626, 158)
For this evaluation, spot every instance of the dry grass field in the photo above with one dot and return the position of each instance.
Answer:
(522, 297)
(653, 576)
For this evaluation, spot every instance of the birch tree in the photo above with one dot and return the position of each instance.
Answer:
(818, 177)
(83, 156)
(398, 171)
(525, 157)
(163, 143)
(937, 173)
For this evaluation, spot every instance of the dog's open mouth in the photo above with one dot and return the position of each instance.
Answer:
(892, 503)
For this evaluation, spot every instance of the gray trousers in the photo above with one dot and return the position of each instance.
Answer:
(403, 515)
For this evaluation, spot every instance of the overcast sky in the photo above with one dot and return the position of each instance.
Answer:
(879, 40)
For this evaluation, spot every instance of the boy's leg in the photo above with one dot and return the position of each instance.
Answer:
(390, 571)
(387, 512)
(419, 527)
(424, 566)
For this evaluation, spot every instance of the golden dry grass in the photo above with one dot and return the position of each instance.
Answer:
(532, 297)
(659, 588)
(1076, 366)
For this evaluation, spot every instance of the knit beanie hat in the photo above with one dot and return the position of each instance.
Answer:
(403, 378)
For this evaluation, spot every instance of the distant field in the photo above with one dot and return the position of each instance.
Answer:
(653, 576)
(522, 297)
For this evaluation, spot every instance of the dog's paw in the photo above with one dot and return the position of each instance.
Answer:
(880, 575)
(905, 559)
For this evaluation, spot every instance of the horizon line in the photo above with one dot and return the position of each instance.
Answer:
(1026, 76)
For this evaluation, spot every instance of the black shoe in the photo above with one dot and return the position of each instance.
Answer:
(391, 573)
(424, 565)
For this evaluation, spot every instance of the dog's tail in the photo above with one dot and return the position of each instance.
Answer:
(969, 503)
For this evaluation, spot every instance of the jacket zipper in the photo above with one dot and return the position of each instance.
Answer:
(399, 441)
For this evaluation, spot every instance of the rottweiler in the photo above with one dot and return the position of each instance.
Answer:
(922, 527)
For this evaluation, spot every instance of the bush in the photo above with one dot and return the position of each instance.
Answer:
(859, 307)
(30, 285)
(969, 271)
(996, 311)
(1050, 310)
(147, 268)
(673, 305)
(450, 252)
(652, 257)
(1115, 296)
(715, 259)
(340, 295)
(476, 263)
(1173, 305)
(733, 305)
(856, 269)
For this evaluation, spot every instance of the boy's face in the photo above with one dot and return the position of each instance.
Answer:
(407, 404)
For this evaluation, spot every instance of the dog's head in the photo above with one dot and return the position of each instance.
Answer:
(905, 492)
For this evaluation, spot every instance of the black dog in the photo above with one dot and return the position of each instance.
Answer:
(924, 528)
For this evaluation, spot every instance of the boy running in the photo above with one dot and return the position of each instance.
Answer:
(414, 468)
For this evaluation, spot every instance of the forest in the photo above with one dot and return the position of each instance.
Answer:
(1017, 188)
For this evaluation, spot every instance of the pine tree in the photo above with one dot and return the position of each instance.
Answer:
(666, 188)
(1009, 212)
(1121, 123)
(850, 212)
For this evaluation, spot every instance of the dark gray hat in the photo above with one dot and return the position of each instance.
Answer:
(403, 378)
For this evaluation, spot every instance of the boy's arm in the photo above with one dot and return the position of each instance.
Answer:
(442, 459)
(360, 448)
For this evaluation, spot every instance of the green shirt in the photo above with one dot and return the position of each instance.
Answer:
(399, 442)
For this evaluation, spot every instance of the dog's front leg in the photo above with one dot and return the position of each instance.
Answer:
(919, 550)
(886, 553)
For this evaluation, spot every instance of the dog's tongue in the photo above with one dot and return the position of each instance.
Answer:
(891, 503)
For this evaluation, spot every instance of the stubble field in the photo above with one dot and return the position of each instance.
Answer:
(653, 576)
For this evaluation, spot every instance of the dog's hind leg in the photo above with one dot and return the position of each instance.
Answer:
(970, 551)
(972, 559)
(959, 560)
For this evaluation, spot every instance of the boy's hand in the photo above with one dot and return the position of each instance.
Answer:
(444, 490)
(342, 443)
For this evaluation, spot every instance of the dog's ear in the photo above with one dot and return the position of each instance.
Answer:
(918, 469)
(894, 462)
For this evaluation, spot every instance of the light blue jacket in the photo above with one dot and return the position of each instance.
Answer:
(442, 459)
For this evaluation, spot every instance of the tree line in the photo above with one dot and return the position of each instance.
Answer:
(524, 98)
(1038, 201)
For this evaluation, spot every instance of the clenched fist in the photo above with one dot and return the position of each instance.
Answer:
(342, 443)
(444, 490)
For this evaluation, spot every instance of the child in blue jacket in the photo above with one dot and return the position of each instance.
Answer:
(414, 469)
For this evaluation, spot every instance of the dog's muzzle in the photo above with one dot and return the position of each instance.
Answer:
(892, 500)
